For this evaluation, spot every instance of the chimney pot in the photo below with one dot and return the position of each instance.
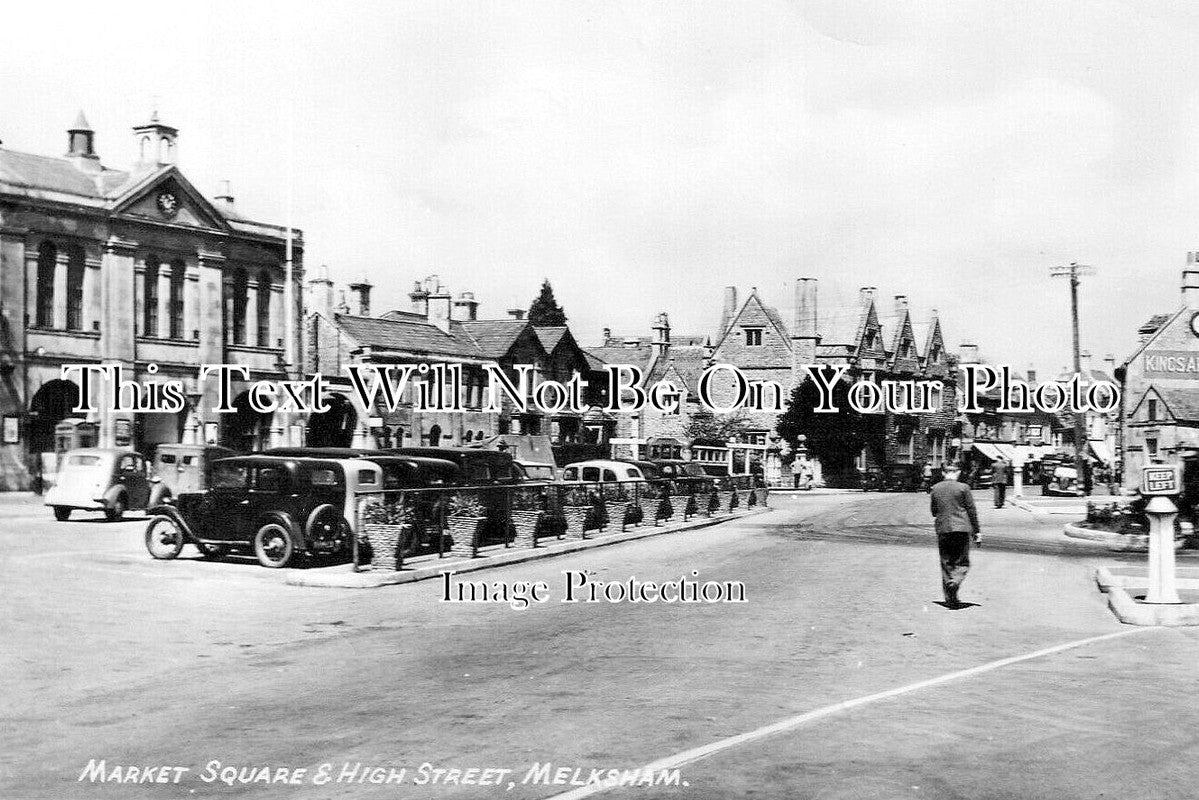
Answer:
(1190, 287)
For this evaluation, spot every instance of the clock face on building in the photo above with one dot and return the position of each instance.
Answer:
(168, 204)
(1195, 323)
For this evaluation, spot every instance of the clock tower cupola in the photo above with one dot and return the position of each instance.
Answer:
(156, 143)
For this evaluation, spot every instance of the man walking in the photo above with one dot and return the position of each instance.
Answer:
(956, 524)
(999, 477)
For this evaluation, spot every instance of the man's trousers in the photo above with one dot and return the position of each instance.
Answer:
(955, 560)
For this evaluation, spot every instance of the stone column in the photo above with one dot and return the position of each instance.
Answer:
(210, 299)
(276, 326)
(164, 301)
(60, 291)
(117, 332)
(191, 303)
(252, 300)
(91, 291)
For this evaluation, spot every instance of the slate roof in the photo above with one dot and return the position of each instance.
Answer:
(30, 171)
(494, 337)
(1183, 403)
(1154, 324)
(636, 356)
(383, 333)
(48, 177)
(688, 362)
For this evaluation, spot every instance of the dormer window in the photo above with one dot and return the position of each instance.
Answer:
(753, 337)
(868, 341)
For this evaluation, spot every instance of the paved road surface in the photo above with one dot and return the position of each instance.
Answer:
(110, 655)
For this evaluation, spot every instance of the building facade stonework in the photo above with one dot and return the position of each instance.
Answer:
(133, 267)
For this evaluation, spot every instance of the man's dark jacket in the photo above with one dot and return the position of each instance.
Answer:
(953, 508)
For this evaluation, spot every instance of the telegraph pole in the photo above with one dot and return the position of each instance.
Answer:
(1080, 436)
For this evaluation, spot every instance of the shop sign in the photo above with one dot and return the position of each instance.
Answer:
(1176, 364)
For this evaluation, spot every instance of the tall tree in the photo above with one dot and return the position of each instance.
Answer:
(545, 310)
(834, 438)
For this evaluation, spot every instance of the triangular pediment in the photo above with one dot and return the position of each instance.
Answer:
(165, 196)
(1166, 414)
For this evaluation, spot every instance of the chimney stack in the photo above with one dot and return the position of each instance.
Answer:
(224, 200)
(968, 353)
(1190, 282)
(420, 298)
(728, 309)
(439, 308)
(901, 304)
(466, 307)
(1032, 375)
(1084, 363)
(362, 296)
(516, 313)
(661, 334)
(607, 335)
(320, 294)
(1109, 363)
(866, 294)
(803, 334)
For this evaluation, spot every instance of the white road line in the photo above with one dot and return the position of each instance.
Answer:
(782, 726)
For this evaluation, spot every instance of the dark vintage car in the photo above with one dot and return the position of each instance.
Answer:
(399, 471)
(479, 467)
(280, 508)
(182, 468)
(686, 474)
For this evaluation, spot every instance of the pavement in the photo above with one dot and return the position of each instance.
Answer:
(841, 676)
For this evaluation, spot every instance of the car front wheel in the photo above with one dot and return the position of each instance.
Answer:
(62, 513)
(273, 546)
(164, 540)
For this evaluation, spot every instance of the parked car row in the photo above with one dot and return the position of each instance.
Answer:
(285, 503)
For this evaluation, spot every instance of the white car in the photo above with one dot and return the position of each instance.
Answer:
(600, 471)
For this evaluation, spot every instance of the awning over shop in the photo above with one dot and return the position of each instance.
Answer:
(1100, 451)
(1008, 451)
(987, 450)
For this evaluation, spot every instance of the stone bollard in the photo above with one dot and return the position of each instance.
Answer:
(1162, 588)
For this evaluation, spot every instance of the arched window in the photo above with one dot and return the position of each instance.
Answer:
(75, 271)
(178, 275)
(239, 305)
(150, 297)
(47, 258)
(144, 148)
(264, 309)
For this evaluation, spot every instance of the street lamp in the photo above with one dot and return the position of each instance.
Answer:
(1072, 272)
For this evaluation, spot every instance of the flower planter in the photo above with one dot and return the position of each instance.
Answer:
(526, 524)
(690, 507)
(385, 545)
(762, 495)
(724, 504)
(576, 521)
(616, 513)
(650, 507)
(465, 531)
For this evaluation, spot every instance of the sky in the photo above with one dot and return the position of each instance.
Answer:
(643, 155)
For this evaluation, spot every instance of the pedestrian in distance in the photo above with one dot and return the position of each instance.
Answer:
(999, 477)
(955, 520)
(926, 477)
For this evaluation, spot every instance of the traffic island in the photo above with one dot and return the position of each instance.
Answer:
(343, 576)
(1126, 588)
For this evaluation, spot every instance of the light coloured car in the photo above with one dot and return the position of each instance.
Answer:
(99, 479)
(601, 471)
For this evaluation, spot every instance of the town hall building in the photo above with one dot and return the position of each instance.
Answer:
(134, 267)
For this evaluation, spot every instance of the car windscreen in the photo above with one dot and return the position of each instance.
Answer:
(229, 476)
